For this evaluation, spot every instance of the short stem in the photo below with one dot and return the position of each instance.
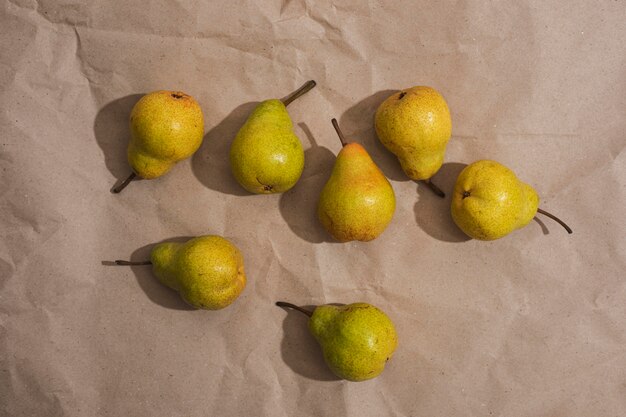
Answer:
(306, 87)
(130, 263)
(556, 219)
(342, 138)
(293, 306)
(434, 188)
(123, 185)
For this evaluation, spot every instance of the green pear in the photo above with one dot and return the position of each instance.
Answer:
(415, 125)
(356, 339)
(266, 156)
(357, 202)
(166, 127)
(207, 271)
(490, 202)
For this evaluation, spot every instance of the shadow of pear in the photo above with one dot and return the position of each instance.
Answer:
(211, 163)
(544, 228)
(298, 206)
(432, 213)
(299, 349)
(112, 132)
(358, 124)
(156, 292)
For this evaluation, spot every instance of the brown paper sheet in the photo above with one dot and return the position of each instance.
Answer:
(533, 324)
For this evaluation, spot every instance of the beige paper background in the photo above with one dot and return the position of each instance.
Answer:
(531, 325)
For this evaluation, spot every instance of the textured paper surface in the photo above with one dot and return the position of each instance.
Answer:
(533, 324)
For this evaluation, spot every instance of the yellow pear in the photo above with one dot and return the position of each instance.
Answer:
(266, 156)
(415, 125)
(356, 339)
(166, 127)
(357, 202)
(207, 271)
(490, 202)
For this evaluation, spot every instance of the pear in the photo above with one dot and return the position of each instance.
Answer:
(415, 125)
(356, 339)
(207, 271)
(166, 127)
(357, 202)
(489, 202)
(266, 156)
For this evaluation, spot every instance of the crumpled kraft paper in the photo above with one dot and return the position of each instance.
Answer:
(533, 324)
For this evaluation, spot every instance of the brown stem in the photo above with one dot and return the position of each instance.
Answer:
(124, 183)
(306, 87)
(130, 263)
(342, 138)
(556, 219)
(293, 306)
(434, 188)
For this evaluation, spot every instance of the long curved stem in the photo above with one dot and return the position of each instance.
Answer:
(293, 306)
(434, 188)
(124, 183)
(130, 263)
(556, 219)
(342, 138)
(306, 87)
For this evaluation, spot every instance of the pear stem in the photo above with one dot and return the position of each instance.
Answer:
(342, 138)
(124, 183)
(293, 306)
(130, 263)
(306, 87)
(434, 188)
(556, 219)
